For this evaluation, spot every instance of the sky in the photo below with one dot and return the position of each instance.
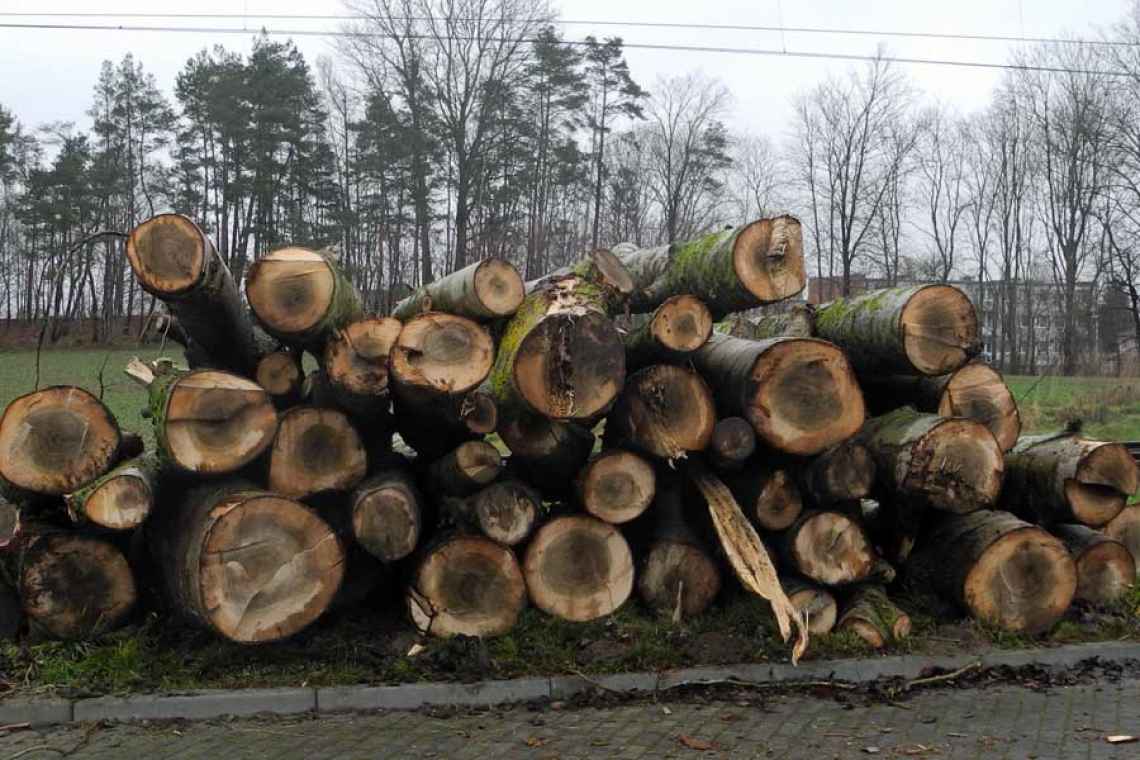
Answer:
(48, 75)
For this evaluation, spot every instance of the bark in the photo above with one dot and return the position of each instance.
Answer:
(1106, 569)
(769, 495)
(1125, 528)
(388, 514)
(465, 470)
(676, 329)
(486, 290)
(356, 364)
(795, 321)
(438, 354)
(870, 614)
(816, 604)
(315, 450)
(119, 500)
(829, 548)
(799, 393)
(435, 426)
(665, 411)
(616, 486)
(845, 472)
(733, 442)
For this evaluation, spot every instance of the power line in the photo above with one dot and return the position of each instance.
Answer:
(1020, 39)
(630, 45)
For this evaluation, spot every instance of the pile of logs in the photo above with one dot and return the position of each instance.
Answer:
(662, 439)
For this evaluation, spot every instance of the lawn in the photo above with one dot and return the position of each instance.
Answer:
(1107, 407)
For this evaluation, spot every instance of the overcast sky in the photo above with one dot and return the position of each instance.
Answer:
(48, 75)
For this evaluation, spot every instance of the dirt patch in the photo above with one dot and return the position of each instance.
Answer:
(717, 648)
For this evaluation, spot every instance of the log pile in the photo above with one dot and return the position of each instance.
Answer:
(562, 443)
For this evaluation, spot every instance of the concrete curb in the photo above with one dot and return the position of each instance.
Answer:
(202, 705)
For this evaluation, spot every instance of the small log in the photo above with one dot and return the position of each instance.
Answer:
(120, 499)
(769, 495)
(506, 511)
(466, 585)
(795, 321)
(1065, 478)
(315, 450)
(829, 548)
(301, 297)
(1106, 569)
(816, 604)
(356, 364)
(249, 565)
(845, 472)
(435, 426)
(465, 470)
(953, 465)
(799, 393)
(281, 375)
(578, 568)
(55, 440)
(616, 486)
(387, 514)
(1125, 528)
(486, 290)
(664, 410)
(1003, 571)
(924, 330)
(733, 442)
(174, 261)
(677, 327)
(439, 354)
(546, 453)
(870, 614)
(758, 263)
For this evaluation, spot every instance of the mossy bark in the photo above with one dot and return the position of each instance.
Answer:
(870, 614)
(797, 321)
(460, 293)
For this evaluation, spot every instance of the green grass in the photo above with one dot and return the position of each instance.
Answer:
(1107, 407)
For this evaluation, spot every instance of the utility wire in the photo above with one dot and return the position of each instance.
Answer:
(629, 45)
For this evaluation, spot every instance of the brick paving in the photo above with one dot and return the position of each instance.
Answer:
(956, 724)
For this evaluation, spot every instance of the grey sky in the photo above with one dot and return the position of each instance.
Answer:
(48, 75)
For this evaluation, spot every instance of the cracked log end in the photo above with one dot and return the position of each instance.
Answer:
(815, 603)
(939, 329)
(215, 422)
(957, 466)
(290, 290)
(1105, 477)
(769, 259)
(829, 548)
(442, 353)
(356, 357)
(664, 410)
(578, 568)
(315, 450)
(616, 486)
(168, 254)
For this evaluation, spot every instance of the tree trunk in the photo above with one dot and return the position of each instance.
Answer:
(873, 617)
(439, 354)
(1064, 478)
(797, 321)
(435, 426)
(301, 297)
(677, 327)
(1003, 571)
(1106, 569)
(578, 568)
(975, 391)
(55, 440)
(953, 465)
(466, 585)
(769, 495)
(174, 261)
(761, 262)
(616, 486)
(829, 548)
(925, 330)
(732, 444)
(816, 604)
(120, 499)
(486, 290)
(1125, 528)
(281, 374)
(315, 450)
(356, 364)
(664, 410)
(465, 470)
(249, 565)
(845, 472)
(799, 393)
(388, 514)
(506, 511)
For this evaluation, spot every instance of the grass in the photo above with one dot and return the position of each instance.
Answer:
(1107, 407)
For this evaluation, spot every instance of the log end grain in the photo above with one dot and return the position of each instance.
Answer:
(120, 502)
(215, 422)
(498, 287)
(1125, 528)
(290, 290)
(1105, 572)
(578, 568)
(733, 442)
(442, 353)
(843, 473)
(815, 603)
(958, 466)
(769, 260)
(677, 573)
(386, 517)
(168, 254)
(939, 329)
(979, 393)
(664, 410)
(507, 511)
(356, 357)
(777, 502)
(829, 548)
(616, 486)
(280, 374)
(1104, 479)
(682, 324)
(315, 450)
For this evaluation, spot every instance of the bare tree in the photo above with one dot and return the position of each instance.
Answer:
(757, 181)
(943, 186)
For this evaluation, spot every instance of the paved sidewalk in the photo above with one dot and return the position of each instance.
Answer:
(1000, 722)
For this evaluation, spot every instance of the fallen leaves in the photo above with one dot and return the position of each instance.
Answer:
(536, 741)
(692, 742)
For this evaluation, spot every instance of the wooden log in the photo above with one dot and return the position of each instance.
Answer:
(616, 486)
(816, 604)
(829, 547)
(355, 364)
(315, 450)
(506, 511)
(206, 421)
(1066, 478)
(795, 321)
(758, 263)
(55, 440)
(870, 614)
(677, 327)
(485, 290)
(1106, 569)
(465, 470)
(732, 444)
(435, 426)
(466, 585)
(664, 410)
(1125, 528)
(578, 568)
(281, 375)
(174, 261)
(1001, 570)
(799, 393)
(975, 391)
(546, 453)
(439, 354)
(388, 514)
(845, 472)
(924, 330)
(119, 500)
(10, 519)
(247, 564)
(301, 297)
(769, 495)
(953, 465)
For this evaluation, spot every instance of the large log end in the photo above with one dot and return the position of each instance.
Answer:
(168, 254)
(290, 290)
(939, 329)
(769, 258)
(578, 568)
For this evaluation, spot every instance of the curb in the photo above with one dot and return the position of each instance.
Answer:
(216, 703)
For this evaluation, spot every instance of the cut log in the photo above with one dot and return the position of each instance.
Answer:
(55, 440)
(816, 604)
(465, 470)
(578, 568)
(795, 321)
(677, 328)
(120, 499)
(488, 289)
(301, 297)
(1065, 478)
(1106, 569)
(250, 565)
(870, 614)
(547, 453)
(206, 422)
(733, 442)
(975, 391)
(387, 514)
(924, 329)
(953, 465)
(1003, 571)
(799, 393)
(1125, 528)
(356, 364)
(439, 353)
(174, 261)
(469, 586)
(829, 548)
(505, 512)
(664, 410)
(616, 486)
(769, 495)
(758, 263)
(435, 426)
(845, 472)
(9, 523)
(315, 450)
